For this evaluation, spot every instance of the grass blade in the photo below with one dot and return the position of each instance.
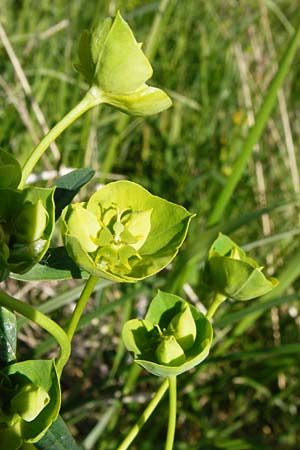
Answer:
(256, 131)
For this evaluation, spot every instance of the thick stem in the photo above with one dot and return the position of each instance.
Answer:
(92, 98)
(44, 322)
(144, 417)
(217, 301)
(85, 295)
(172, 412)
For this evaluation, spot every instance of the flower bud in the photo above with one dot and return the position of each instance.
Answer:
(30, 401)
(169, 352)
(183, 328)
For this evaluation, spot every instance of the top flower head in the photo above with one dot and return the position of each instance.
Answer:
(114, 65)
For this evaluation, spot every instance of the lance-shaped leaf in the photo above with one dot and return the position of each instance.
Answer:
(30, 401)
(26, 227)
(153, 341)
(229, 271)
(113, 63)
(124, 233)
(10, 171)
(8, 337)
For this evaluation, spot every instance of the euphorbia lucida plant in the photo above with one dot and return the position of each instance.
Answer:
(124, 233)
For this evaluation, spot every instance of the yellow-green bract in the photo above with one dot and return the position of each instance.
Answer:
(164, 344)
(26, 225)
(124, 233)
(116, 68)
(230, 272)
(29, 402)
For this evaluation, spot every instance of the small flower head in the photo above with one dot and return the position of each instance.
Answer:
(229, 271)
(174, 336)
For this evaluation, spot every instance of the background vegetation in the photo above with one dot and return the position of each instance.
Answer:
(215, 59)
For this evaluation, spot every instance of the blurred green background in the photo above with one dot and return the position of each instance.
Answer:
(215, 59)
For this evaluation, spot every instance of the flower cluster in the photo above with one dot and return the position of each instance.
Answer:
(124, 233)
(174, 336)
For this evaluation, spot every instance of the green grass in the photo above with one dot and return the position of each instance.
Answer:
(216, 60)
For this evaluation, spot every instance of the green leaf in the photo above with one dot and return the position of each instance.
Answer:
(57, 437)
(145, 101)
(121, 66)
(68, 186)
(86, 64)
(10, 171)
(137, 331)
(8, 337)
(56, 265)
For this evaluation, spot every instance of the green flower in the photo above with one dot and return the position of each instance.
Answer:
(116, 68)
(29, 402)
(124, 233)
(231, 273)
(174, 336)
(26, 226)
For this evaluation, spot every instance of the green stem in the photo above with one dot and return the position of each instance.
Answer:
(92, 98)
(145, 416)
(44, 322)
(217, 301)
(172, 412)
(255, 132)
(85, 295)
